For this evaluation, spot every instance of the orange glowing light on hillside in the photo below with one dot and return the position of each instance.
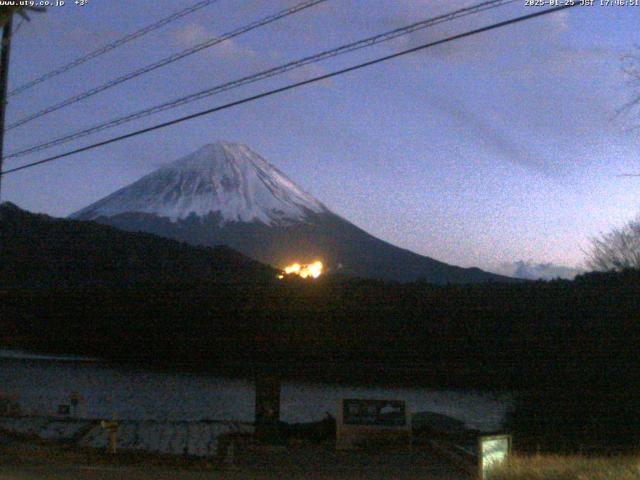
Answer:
(293, 268)
(313, 270)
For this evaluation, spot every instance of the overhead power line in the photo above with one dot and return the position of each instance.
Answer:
(292, 86)
(367, 42)
(166, 61)
(111, 46)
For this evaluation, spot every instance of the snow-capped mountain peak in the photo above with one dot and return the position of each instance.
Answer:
(223, 177)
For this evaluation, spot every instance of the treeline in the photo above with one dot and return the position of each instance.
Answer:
(505, 336)
(569, 348)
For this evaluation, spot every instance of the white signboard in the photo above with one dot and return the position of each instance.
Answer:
(493, 450)
(361, 423)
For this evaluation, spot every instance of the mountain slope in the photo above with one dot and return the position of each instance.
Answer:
(225, 194)
(40, 251)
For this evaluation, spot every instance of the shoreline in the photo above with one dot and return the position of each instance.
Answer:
(247, 371)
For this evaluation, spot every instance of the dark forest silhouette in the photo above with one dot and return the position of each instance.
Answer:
(569, 349)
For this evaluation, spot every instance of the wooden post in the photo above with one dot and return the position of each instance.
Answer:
(267, 416)
(112, 440)
(112, 428)
(74, 400)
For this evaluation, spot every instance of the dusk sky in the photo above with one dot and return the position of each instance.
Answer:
(501, 147)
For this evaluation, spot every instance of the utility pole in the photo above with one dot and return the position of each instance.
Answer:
(4, 80)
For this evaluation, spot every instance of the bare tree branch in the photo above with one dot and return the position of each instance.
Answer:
(616, 250)
(631, 70)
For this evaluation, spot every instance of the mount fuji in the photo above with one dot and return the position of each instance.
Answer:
(226, 194)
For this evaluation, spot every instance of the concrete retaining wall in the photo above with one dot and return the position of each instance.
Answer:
(198, 439)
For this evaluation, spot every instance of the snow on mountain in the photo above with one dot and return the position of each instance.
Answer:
(227, 178)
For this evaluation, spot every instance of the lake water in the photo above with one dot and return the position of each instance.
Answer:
(41, 383)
